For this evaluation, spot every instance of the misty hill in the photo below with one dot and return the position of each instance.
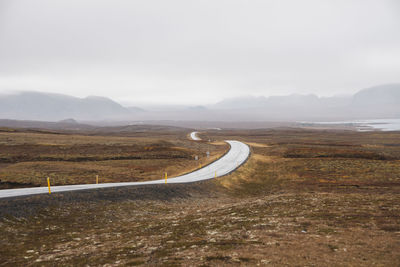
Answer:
(241, 103)
(290, 101)
(70, 121)
(135, 109)
(54, 107)
(253, 102)
(371, 103)
(378, 95)
(375, 102)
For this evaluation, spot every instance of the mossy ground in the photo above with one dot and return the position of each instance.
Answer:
(335, 203)
(27, 159)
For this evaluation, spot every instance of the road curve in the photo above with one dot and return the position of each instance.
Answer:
(237, 155)
(194, 136)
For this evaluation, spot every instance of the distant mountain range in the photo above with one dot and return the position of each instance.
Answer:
(372, 103)
(53, 107)
(376, 102)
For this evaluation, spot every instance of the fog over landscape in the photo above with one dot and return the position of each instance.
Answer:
(146, 53)
(381, 102)
(199, 133)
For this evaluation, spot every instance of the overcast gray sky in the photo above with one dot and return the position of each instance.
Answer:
(197, 52)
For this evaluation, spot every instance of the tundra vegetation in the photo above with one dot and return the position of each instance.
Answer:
(320, 197)
(27, 158)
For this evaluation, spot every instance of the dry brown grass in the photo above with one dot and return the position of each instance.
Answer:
(252, 144)
(26, 158)
(315, 158)
(274, 210)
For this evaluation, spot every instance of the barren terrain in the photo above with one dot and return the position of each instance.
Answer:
(27, 158)
(305, 197)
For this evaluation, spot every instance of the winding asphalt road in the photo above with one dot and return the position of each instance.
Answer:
(194, 136)
(237, 155)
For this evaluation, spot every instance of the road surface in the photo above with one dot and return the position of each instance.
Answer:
(237, 155)
(194, 136)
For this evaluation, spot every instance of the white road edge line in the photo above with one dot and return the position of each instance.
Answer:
(236, 156)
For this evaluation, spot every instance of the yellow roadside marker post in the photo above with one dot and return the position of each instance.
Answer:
(166, 177)
(48, 184)
(215, 176)
(97, 179)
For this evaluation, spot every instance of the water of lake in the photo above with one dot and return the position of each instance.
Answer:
(368, 125)
(381, 124)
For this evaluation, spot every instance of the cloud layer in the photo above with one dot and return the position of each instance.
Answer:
(195, 52)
